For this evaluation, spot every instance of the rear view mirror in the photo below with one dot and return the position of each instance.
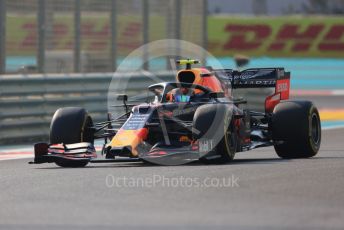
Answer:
(122, 97)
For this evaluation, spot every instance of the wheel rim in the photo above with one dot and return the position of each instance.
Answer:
(315, 132)
(230, 143)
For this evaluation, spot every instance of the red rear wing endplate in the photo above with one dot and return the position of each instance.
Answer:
(282, 89)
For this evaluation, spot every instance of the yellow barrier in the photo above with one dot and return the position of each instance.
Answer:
(332, 114)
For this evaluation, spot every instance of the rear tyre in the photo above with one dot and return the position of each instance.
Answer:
(296, 129)
(213, 121)
(71, 125)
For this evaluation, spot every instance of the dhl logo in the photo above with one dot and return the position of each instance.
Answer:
(318, 37)
(251, 37)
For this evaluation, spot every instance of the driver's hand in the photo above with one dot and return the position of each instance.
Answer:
(169, 97)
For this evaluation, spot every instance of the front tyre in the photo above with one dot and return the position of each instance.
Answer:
(71, 125)
(213, 122)
(296, 129)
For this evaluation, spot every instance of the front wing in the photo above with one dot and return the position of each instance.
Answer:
(86, 152)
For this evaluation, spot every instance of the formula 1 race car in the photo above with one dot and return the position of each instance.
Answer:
(194, 118)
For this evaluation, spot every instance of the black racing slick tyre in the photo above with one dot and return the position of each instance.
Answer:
(296, 129)
(213, 122)
(71, 125)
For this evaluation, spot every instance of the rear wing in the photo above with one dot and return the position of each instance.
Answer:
(276, 78)
(252, 78)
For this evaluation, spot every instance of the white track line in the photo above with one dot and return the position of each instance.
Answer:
(333, 127)
(320, 92)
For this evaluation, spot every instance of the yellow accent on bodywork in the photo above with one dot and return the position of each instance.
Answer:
(187, 61)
